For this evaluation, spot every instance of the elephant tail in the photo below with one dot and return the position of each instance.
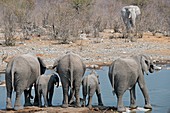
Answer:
(87, 86)
(12, 78)
(71, 71)
(111, 77)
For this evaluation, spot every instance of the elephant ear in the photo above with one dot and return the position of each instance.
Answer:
(42, 65)
(144, 64)
(56, 79)
(55, 64)
(137, 10)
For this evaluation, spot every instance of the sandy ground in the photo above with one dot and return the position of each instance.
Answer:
(94, 51)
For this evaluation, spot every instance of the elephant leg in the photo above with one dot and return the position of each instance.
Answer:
(90, 95)
(9, 88)
(120, 106)
(50, 96)
(84, 95)
(39, 99)
(17, 105)
(8, 100)
(27, 97)
(100, 103)
(71, 96)
(133, 98)
(36, 96)
(89, 105)
(45, 95)
(128, 25)
(145, 93)
(65, 96)
(77, 89)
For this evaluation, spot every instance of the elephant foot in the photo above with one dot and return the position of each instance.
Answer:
(49, 105)
(148, 106)
(18, 108)
(65, 106)
(89, 106)
(36, 104)
(40, 106)
(121, 109)
(45, 106)
(78, 105)
(71, 101)
(133, 106)
(9, 106)
(100, 104)
(28, 104)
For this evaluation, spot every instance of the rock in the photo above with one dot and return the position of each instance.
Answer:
(159, 35)
(94, 66)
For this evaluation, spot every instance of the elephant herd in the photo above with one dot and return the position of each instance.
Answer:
(25, 70)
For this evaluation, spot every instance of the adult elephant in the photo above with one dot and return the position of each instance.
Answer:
(21, 72)
(129, 15)
(71, 70)
(124, 73)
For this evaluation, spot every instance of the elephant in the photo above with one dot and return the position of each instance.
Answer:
(21, 72)
(71, 69)
(124, 73)
(90, 85)
(45, 86)
(129, 15)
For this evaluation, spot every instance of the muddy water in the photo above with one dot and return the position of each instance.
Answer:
(158, 85)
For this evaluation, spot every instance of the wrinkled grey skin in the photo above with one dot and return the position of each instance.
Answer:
(71, 70)
(124, 73)
(45, 87)
(21, 72)
(90, 85)
(129, 15)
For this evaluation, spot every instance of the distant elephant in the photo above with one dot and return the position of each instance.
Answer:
(21, 72)
(129, 15)
(45, 86)
(124, 73)
(71, 69)
(90, 85)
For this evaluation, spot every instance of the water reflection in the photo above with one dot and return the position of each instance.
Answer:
(157, 83)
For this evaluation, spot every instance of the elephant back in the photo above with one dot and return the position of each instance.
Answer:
(24, 70)
(71, 67)
(70, 62)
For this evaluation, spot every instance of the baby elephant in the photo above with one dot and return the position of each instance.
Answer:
(91, 85)
(45, 86)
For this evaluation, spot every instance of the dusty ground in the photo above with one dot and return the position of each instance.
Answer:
(102, 53)
(58, 109)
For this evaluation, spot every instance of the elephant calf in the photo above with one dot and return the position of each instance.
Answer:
(45, 86)
(90, 86)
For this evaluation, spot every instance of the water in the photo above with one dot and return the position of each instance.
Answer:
(157, 83)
